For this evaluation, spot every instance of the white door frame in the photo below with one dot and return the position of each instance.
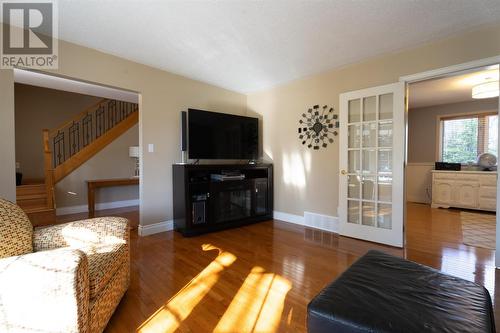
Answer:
(447, 71)
(395, 235)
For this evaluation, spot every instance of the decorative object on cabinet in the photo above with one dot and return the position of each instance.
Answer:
(487, 161)
(318, 127)
(464, 189)
(448, 166)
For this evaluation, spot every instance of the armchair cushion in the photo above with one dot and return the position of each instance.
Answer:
(103, 240)
(81, 234)
(44, 292)
(16, 230)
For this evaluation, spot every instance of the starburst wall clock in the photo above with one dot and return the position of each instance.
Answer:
(318, 127)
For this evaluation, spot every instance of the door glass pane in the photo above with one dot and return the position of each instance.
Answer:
(369, 135)
(353, 211)
(368, 217)
(385, 106)
(368, 187)
(369, 161)
(353, 135)
(370, 108)
(384, 161)
(353, 161)
(354, 112)
(385, 188)
(385, 134)
(384, 216)
(353, 186)
(370, 172)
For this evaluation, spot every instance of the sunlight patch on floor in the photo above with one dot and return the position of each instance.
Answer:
(169, 317)
(258, 305)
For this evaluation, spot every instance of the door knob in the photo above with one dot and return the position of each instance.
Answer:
(343, 172)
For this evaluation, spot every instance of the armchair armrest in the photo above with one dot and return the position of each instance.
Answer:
(46, 291)
(82, 234)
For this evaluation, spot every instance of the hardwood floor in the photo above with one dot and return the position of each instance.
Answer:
(259, 278)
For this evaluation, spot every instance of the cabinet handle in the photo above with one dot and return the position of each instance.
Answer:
(256, 190)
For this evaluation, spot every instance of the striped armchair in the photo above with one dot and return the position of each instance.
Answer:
(64, 278)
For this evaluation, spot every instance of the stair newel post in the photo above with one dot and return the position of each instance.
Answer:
(48, 169)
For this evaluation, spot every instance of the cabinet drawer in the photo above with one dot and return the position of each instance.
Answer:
(467, 177)
(487, 204)
(444, 175)
(488, 192)
(490, 180)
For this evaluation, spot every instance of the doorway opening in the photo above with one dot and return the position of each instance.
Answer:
(452, 150)
(70, 134)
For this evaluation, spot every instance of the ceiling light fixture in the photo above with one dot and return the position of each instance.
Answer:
(485, 90)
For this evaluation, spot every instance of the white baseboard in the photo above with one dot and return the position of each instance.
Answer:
(99, 206)
(312, 220)
(291, 218)
(150, 229)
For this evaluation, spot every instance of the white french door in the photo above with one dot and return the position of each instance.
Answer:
(372, 154)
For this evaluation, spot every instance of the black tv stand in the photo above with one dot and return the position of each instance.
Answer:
(202, 204)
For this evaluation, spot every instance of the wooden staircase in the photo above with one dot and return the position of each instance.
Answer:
(69, 146)
(33, 199)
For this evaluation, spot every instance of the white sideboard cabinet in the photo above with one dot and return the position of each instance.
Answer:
(464, 189)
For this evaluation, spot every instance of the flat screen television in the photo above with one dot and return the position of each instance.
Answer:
(213, 135)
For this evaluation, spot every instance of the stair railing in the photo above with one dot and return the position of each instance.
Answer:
(66, 140)
(80, 131)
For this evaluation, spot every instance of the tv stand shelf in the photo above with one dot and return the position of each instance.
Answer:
(203, 205)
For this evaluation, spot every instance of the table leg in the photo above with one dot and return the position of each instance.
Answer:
(91, 200)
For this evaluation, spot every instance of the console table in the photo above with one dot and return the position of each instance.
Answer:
(92, 185)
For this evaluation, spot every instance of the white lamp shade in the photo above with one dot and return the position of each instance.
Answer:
(133, 151)
(485, 90)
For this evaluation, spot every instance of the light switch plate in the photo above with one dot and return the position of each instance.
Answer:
(151, 148)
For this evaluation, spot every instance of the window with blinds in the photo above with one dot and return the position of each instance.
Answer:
(464, 138)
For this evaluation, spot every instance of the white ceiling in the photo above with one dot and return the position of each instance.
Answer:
(447, 90)
(60, 83)
(251, 45)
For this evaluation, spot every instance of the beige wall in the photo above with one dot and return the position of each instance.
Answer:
(7, 135)
(423, 123)
(307, 180)
(36, 109)
(163, 96)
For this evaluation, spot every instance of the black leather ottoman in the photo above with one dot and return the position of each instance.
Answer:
(383, 293)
